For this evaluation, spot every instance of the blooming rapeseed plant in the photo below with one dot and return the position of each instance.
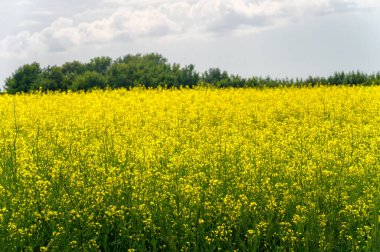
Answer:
(294, 169)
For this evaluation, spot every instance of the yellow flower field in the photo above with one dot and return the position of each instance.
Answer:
(287, 169)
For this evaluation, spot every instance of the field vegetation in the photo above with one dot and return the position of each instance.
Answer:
(202, 169)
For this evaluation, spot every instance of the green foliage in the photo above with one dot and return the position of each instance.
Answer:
(23, 79)
(153, 70)
(52, 78)
(74, 67)
(188, 76)
(71, 70)
(215, 76)
(88, 80)
(99, 64)
(119, 76)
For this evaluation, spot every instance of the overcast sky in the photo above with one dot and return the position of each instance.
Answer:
(280, 38)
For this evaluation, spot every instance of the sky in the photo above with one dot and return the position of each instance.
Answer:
(277, 38)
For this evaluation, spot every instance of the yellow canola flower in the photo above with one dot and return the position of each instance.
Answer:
(287, 169)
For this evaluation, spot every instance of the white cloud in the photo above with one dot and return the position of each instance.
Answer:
(28, 23)
(118, 20)
(24, 2)
(21, 45)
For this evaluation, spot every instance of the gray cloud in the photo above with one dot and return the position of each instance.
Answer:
(111, 21)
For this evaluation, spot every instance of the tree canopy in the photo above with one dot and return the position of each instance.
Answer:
(152, 70)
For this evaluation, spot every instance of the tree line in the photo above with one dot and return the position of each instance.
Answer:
(152, 70)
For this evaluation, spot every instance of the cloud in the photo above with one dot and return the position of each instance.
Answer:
(23, 2)
(113, 21)
(28, 23)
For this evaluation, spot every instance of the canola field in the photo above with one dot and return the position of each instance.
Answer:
(287, 169)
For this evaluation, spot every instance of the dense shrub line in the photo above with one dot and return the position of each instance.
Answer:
(153, 70)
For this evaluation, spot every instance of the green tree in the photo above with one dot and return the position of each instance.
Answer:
(74, 67)
(51, 78)
(188, 76)
(23, 79)
(89, 80)
(149, 70)
(214, 76)
(99, 64)
(120, 75)
(71, 70)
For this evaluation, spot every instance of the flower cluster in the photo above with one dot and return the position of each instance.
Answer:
(294, 169)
